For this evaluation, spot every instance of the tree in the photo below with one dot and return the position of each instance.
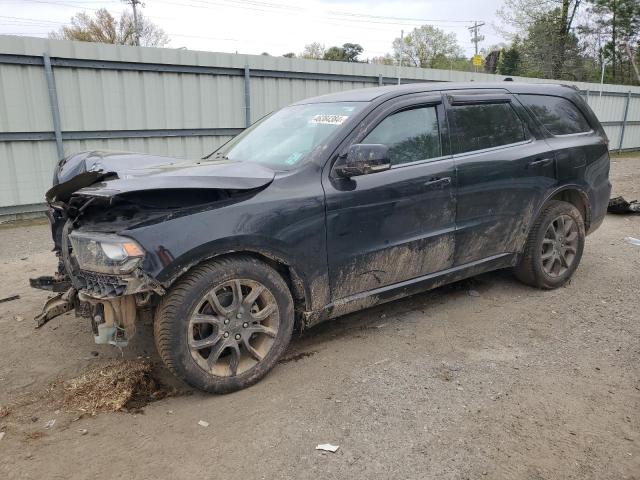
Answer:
(552, 19)
(491, 61)
(546, 55)
(619, 22)
(104, 28)
(509, 61)
(386, 59)
(352, 51)
(426, 46)
(347, 53)
(313, 51)
(335, 54)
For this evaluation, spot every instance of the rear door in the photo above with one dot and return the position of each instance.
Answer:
(399, 224)
(575, 142)
(503, 171)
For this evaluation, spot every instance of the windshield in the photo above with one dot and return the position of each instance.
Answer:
(283, 139)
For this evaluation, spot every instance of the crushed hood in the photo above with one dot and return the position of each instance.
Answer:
(107, 174)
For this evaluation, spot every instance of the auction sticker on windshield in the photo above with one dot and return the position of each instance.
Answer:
(329, 119)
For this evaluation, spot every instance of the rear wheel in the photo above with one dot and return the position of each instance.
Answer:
(225, 324)
(554, 247)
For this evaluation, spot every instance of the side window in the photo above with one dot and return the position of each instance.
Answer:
(410, 135)
(476, 127)
(558, 115)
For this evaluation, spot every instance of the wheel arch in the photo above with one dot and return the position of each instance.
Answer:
(285, 267)
(576, 196)
(573, 194)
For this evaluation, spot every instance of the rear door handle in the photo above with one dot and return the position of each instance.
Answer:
(540, 162)
(438, 181)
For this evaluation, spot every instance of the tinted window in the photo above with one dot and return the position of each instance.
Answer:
(410, 135)
(558, 115)
(484, 126)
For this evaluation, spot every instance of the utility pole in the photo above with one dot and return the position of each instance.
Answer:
(475, 37)
(401, 52)
(134, 4)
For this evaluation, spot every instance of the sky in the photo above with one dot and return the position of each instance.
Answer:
(272, 26)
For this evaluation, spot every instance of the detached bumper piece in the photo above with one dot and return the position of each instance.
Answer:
(52, 284)
(61, 303)
(619, 205)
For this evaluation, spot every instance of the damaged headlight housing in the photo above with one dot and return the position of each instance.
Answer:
(104, 253)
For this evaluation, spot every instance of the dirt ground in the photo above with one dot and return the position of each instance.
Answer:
(514, 383)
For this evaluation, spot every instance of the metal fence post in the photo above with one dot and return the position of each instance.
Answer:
(53, 104)
(624, 120)
(247, 96)
(379, 79)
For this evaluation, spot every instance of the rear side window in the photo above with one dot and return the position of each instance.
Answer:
(476, 127)
(411, 135)
(558, 115)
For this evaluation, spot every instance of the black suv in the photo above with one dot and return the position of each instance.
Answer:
(330, 205)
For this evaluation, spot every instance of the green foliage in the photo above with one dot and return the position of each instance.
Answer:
(347, 53)
(509, 61)
(618, 21)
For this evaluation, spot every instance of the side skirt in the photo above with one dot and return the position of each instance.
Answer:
(399, 290)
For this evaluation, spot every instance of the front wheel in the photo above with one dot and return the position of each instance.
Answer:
(224, 325)
(554, 247)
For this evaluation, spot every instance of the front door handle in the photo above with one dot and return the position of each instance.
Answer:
(438, 182)
(540, 162)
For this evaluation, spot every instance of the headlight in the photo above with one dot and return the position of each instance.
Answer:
(105, 253)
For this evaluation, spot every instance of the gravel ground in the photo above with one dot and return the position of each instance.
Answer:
(514, 383)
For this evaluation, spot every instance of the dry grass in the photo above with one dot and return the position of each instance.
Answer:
(111, 387)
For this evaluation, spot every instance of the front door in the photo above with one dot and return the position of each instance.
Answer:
(399, 224)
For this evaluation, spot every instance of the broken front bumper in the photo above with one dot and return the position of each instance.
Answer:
(111, 302)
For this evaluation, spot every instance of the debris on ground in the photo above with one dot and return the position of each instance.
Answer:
(202, 423)
(2, 435)
(473, 293)
(9, 299)
(18, 318)
(327, 447)
(50, 423)
(83, 431)
(619, 205)
(297, 356)
(114, 386)
(4, 411)
(633, 241)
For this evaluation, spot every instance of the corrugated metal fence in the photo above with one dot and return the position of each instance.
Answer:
(59, 97)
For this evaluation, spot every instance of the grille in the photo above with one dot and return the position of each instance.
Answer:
(101, 285)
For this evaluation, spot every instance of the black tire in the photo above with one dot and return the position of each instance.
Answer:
(176, 325)
(533, 267)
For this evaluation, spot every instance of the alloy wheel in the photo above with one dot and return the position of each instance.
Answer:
(559, 246)
(233, 327)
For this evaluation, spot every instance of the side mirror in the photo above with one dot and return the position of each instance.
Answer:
(363, 159)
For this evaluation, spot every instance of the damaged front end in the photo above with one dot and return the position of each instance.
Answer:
(102, 279)
(96, 200)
